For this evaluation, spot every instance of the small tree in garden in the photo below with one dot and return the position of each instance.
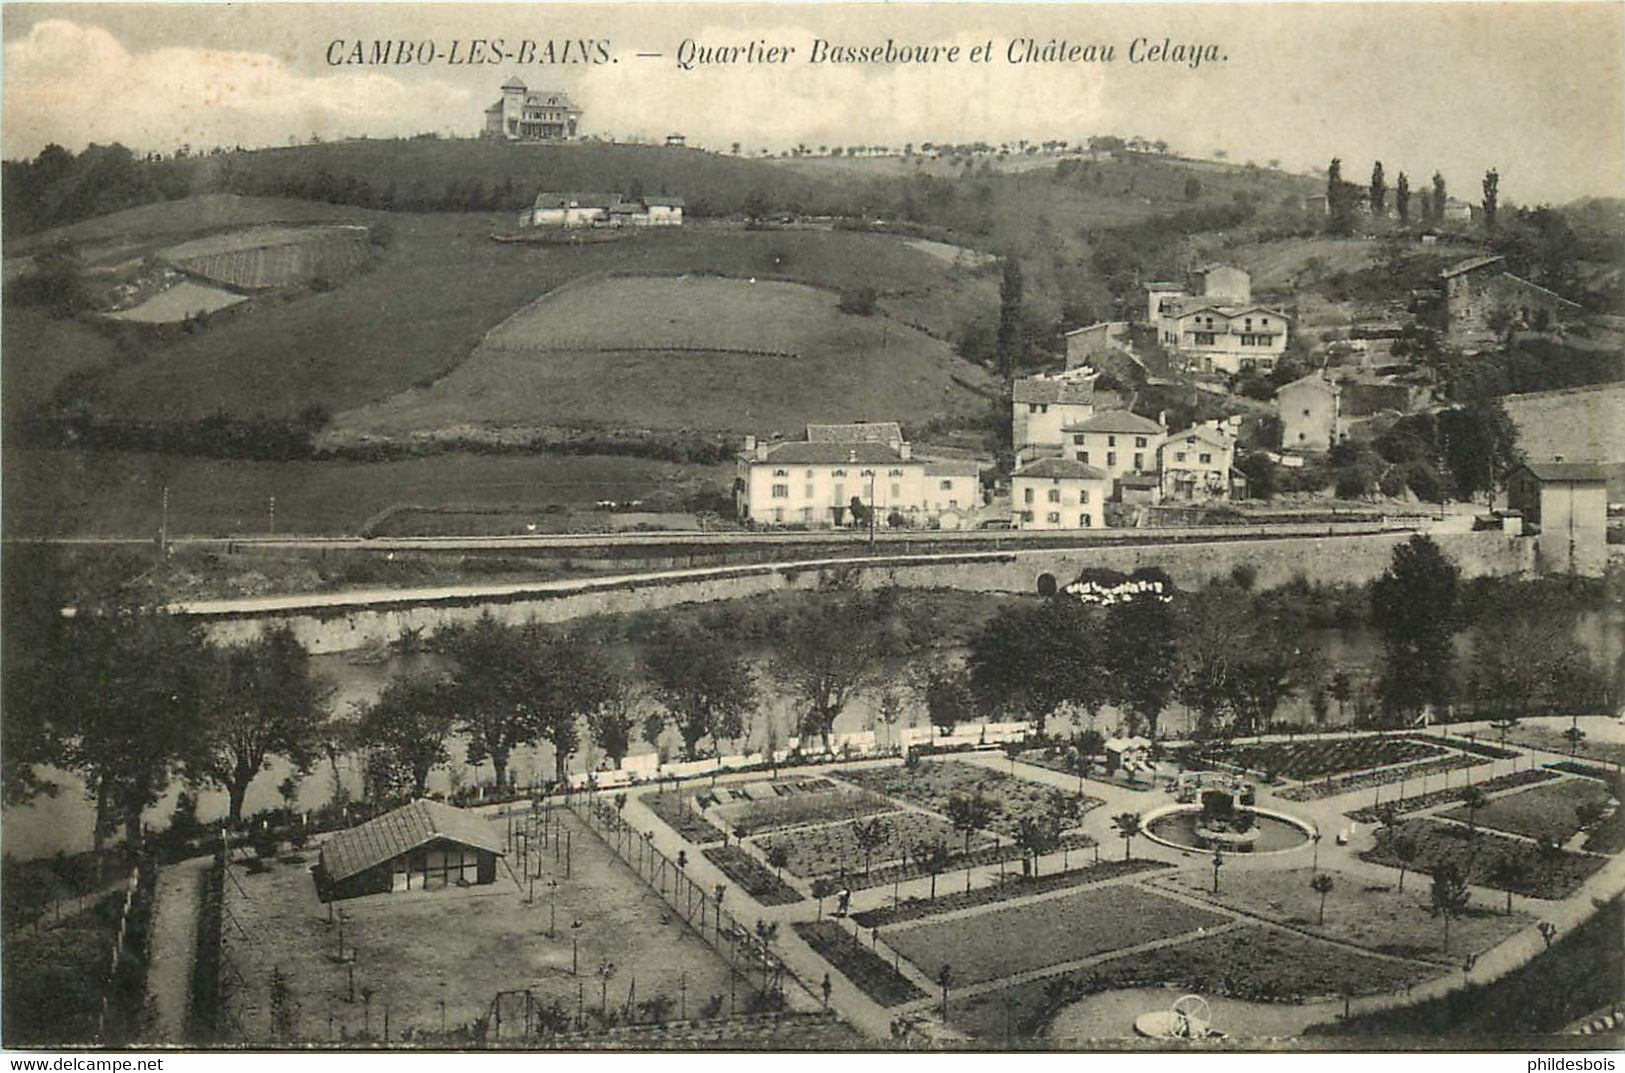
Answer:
(870, 835)
(1549, 853)
(1473, 799)
(777, 858)
(1321, 885)
(823, 887)
(1574, 736)
(1448, 897)
(1406, 849)
(933, 858)
(945, 977)
(1128, 826)
(1038, 835)
(1509, 872)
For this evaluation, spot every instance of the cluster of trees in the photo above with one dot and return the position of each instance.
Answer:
(1230, 655)
(1524, 653)
(1345, 200)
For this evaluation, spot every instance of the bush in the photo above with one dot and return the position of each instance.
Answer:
(1424, 481)
(859, 301)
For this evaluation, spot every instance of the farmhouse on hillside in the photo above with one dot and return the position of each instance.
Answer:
(1481, 297)
(603, 210)
(840, 473)
(421, 846)
(1212, 324)
(545, 115)
(1197, 463)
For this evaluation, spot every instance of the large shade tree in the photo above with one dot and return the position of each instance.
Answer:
(1030, 659)
(1414, 607)
(702, 684)
(407, 729)
(834, 648)
(266, 702)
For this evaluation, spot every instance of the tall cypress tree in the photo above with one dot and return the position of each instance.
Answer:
(1402, 198)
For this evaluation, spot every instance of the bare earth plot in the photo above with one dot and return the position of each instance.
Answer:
(183, 300)
(417, 950)
(696, 352)
(1021, 938)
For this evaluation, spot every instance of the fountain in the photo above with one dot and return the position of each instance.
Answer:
(1227, 820)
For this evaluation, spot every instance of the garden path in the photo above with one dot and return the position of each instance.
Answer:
(174, 947)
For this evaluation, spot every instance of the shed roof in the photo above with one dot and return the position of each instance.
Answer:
(386, 837)
(1472, 264)
(1567, 472)
(1060, 468)
(1118, 421)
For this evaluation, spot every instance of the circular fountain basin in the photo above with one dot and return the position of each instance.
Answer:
(1181, 826)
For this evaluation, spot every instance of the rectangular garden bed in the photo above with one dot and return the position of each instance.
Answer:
(751, 876)
(1542, 812)
(672, 809)
(1476, 854)
(1468, 745)
(1317, 759)
(1314, 791)
(800, 809)
(932, 784)
(1014, 887)
(1527, 777)
(833, 847)
(1020, 938)
(858, 963)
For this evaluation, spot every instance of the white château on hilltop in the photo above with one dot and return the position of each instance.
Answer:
(544, 115)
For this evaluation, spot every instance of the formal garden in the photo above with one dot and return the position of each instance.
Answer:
(1557, 811)
(1534, 869)
(934, 784)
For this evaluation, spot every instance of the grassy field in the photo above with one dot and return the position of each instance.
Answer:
(1021, 938)
(1581, 973)
(93, 493)
(684, 344)
(1380, 920)
(458, 947)
(436, 286)
(1542, 812)
(1254, 963)
(1439, 843)
(40, 353)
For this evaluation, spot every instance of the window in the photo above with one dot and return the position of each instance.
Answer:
(1179, 456)
(953, 502)
(1204, 458)
(1032, 407)
(1111, 458)
(1053, 517)
(1084, 522)
(808, 474)
(1083, 496)
(866, 473)
(778, 514)
(945, 486)
(807, 493)
(1078, 439)
(1054, 495)
(1111, 441)
(781, 491)
(1139, 460)
(896, 492)
(781, 473)
(840, 473)
(1027, 517)
(1306, 412)
(1083, 456)
(1139, 441)
(1043, 407)
(1027, 495)
(894, 473)
(1204, 338)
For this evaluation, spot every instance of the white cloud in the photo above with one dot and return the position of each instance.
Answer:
(75, 84)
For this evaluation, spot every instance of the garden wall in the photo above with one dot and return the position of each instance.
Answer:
(1330, 559)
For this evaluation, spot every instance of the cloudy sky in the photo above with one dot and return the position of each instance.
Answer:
(1533, 89)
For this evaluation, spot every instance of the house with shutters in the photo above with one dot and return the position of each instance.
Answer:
(839, 473)
(1197, 463)
(1041, 406)
(1117, 442)
(1059, 493)
(1211, 323)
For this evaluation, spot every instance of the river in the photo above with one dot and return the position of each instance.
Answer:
(64, 822)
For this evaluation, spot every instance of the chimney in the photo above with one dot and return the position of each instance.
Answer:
(905, 451)
(750, 445)
(852, 457)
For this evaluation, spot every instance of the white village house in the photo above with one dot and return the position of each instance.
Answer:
(570, 210)
(1213, 325)
(1059, 493)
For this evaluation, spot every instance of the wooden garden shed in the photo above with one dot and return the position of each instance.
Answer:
(421, 846)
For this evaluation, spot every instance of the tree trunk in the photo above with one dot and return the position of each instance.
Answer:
(499, 763)
(236, 792)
